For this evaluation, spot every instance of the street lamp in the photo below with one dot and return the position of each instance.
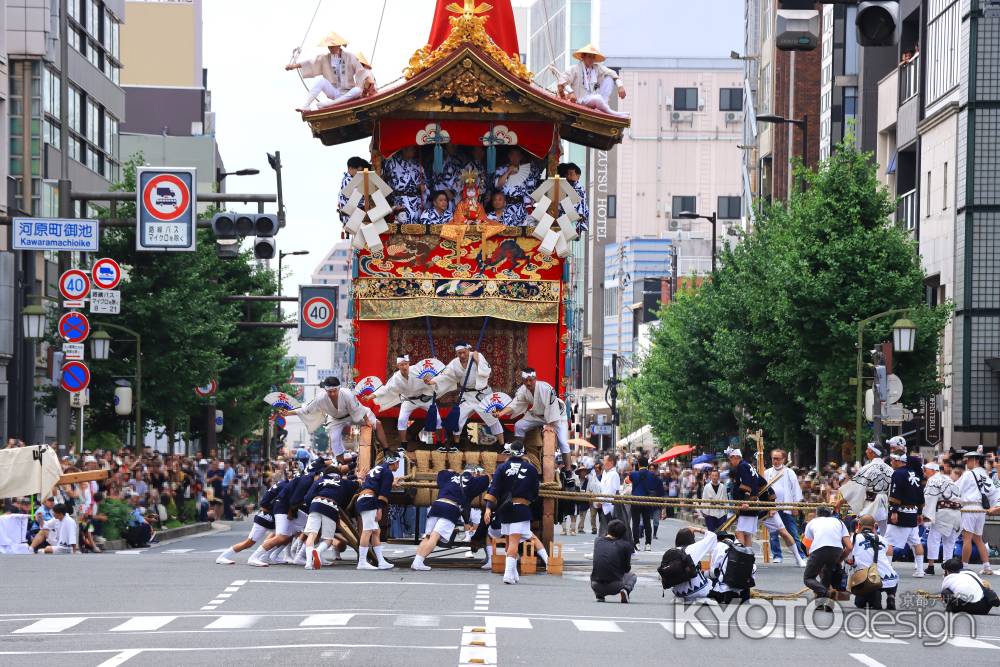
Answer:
(281, 256)
(33, 320)
(221, 175)
(100, 344)
(904, 333)
(691, 215)
(802, 123)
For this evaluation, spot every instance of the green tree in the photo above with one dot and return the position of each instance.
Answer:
(778, 323)
(189, 335)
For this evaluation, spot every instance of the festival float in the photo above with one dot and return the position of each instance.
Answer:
(420, 288)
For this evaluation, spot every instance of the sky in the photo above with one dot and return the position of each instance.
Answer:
(247, 43)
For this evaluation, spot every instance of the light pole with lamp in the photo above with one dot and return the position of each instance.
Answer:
(282, 256)
(221, 175)
(100, 347)
(904, 333)
(714, 219)
(803, 125)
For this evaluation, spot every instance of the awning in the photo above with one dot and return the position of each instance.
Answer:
(891, 169)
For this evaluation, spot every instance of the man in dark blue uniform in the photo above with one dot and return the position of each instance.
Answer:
(455, 491)
(289, 519)
(263, 522)
(514, 488)
(373, 499)
(643, 483)
(325, 499)
(906, 503)
(746, 486)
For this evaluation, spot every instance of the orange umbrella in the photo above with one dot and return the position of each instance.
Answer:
(581, 442)
(674, 452)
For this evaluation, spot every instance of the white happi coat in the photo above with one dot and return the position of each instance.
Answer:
(941, 487)
(544, 404)
(344, 73)
(347, 411)
(583, 81)
(399, 388)
(454, 373)
(874, 477)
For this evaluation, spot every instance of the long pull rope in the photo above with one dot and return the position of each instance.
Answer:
(430, 336)
(296, 52)
(378, 32)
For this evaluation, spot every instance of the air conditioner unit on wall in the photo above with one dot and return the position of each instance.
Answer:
(733, 117)
(681, 117)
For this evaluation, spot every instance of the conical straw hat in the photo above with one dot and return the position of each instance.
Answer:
(333, 39)
(592, 50)
(363, 60)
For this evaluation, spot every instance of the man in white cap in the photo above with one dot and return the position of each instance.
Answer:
(344, 409)
(541, 406)
(746, 486)
(590, 83)
(469, 372)
(942, 513)
(408, 391)
(906, 501)
(978, 492)
(337, 70)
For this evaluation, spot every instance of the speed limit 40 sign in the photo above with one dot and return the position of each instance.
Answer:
(318, 312)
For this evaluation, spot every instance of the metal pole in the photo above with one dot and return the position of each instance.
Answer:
(281, 199)
(859, 377)
(65, 187)
(817, 453)
(805, 140)
(140, 435)
(281, 256)
(81, 425)
(714, 219)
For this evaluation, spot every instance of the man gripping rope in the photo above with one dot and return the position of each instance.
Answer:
(469, 372)
(344, 410)
(374, 499)
(906, 501)
(943, 511)
(514, 487)
(326, 497)
(454, 492)
(541, 406)
(408, 391)
(263, 523)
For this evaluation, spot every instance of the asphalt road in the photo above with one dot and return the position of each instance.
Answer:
(172, 605)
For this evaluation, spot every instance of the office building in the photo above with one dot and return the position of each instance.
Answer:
(937, 119)
(169, 115)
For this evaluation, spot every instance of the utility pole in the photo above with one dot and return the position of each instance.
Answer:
(65, 187)
(614, 400)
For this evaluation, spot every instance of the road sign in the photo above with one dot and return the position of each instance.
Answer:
(79, 399)
(318, 312)
(72, 305)
(74, 327)
(73, 351)
(601, 429)
(75, 376)
(55, 234)
(219, 421)
(207, 390)
(74, 284)
(106, 273)
(280, 422)
(166, 206)
(105, 302)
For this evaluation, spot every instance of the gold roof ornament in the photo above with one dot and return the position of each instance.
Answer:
(590, 50)
(332, 39)
(468, 28)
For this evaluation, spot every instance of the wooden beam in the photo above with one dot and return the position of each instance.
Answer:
(548, 475)
(78, 477)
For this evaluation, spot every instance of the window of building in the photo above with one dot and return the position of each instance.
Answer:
(579, 23)
(764, 95)
(730, 208)
(612, 206)
(851, 48)
(683, 203)
(928, 194)
(944, 193)
(93, 123)
(685, 99)
(730, 99)
(942, 66)
(765, 20)
(850, 102)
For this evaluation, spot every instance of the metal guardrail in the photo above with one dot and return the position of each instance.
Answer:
(909, 79)
(906, 210)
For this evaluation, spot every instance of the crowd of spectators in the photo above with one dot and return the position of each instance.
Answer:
(144, 493)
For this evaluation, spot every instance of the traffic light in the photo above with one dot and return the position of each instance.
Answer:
(230, 228)
(227, 241)
(878, 23)
(265, 247)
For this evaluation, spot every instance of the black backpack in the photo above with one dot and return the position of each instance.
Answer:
(676, 568)
(737, 566)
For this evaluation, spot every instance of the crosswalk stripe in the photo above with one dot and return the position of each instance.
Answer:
(684, 628)
(881, 640)
(519, 622)
(233, 622)
(479, 655)
(325, 619)
(43, 625)
(417, 621)
(596, 626)
(143, 623)
(969, 642)
(865, 660)
(119, 658)
(178, 551)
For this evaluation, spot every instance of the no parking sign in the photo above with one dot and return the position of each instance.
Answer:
(167, 212)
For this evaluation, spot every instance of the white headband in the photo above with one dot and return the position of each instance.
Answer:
(403, 358)
(525, 376)
(871, 446)
(459, 348)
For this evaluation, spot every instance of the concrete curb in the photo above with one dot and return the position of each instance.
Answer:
(166, 535)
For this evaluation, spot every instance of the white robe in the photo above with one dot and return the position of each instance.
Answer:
(544, 404)
(941, 487)
(874, 477)
(347, 410)
(583, 83)
(398, 388)
(454, 374)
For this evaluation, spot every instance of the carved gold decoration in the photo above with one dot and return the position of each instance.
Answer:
(470, 87)
(466, 29)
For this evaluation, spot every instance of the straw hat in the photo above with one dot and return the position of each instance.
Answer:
(333, 39)
(363, 60)
(592, 50)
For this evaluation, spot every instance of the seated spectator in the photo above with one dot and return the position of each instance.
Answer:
(440, 211)
(138, 532)
(58, 535)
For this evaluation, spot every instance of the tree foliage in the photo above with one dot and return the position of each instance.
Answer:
(773, 335)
